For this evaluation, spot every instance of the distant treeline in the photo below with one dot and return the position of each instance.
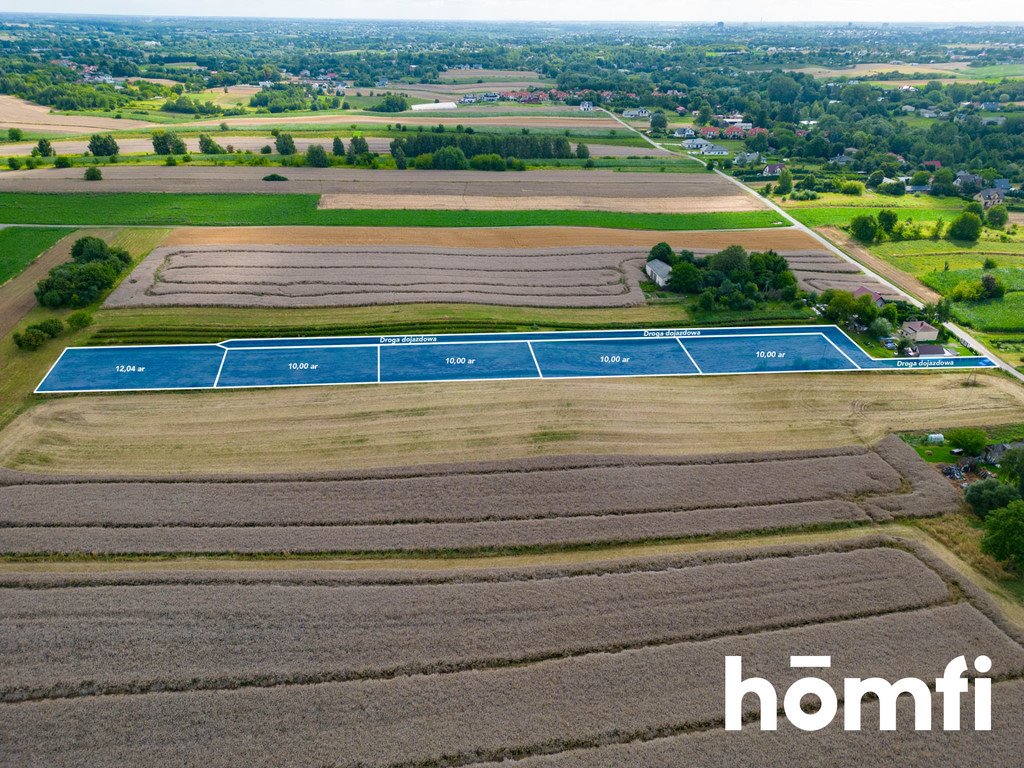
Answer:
(521, 146)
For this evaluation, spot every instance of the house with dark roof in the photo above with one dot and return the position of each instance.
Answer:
(876, 297)
(773, 169)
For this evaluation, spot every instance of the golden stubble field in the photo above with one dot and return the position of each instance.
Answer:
(315, 429)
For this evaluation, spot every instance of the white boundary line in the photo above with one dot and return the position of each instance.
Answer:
(221, 368)
(840, 351)
(534, 356)
(793, 330)
(378, 363)
(689, 356)
(59, 358)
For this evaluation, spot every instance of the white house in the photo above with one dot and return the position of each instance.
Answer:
(684, 133)
(919, 330)
(586, 106)
(639, 112)
(658, 271)
(714, 149)
(695, 143)
(773, 169)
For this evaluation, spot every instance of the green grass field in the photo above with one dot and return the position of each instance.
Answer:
(875, 201)
(841, 216)
(944, 282)
(155, 209)
(1005, 314)
(19, 247)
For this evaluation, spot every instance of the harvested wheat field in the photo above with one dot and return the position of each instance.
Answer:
(781, 239)
(322, 429)
(707, 192)
(290, 276)
(384, 669)
(897, 277)
(18, 113)
(513, 504)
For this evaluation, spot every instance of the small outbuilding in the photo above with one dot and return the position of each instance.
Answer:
(658, 271)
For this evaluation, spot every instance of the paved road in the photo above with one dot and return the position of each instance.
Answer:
(963, 336)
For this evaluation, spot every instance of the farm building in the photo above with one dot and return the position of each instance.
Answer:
(773, 169)
(994, 453)
(658, 271)
(436, 105)
(586, 106)
(919, 330)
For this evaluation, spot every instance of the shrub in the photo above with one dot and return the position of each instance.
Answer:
(171, 160)
(967, 290)
(285, 144)
(424, 162)
(966, 227)
(450, 159)
(30, 340)
(1004, 534)
(851, 188)
(991, 287)
(887, 220)
(880, 327)
(895, 188)
(988, 263)
(79, 320)
(208, 146)
(14, 163)
(864, 228)
(275, 177)
(62, 162)
(52, 327)
(988, 495)
(970, 440)
(515, 164)
(997, 216)
(92, 173)
(489, 162)
(316, 157)
(266, 149)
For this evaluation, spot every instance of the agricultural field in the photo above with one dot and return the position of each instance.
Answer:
(20, 246)
(347, 661)
(34, 118)
(558, 502)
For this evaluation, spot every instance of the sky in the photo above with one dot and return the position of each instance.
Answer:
(545, 10)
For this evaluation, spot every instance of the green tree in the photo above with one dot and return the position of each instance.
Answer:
(987, 495)
(316, 157)
(658, 121)
(965, 228)
(338, 147)
(208, 146)
(1012, 464)
(45, 148)
(785, 183)
(970, 440)
(920, 179)
(582, 151)
(880, 328)
(168, 143)
(864, 227)
(398, 155)
(887, 220)
(662, 252)
(997, 216)
(942, 183)
(103, 145)
(686, 278)
(840, 308)
(92, 173)
(450, 159)
(285, 144)
(1004, 535)
(391, 103)
(15, 134)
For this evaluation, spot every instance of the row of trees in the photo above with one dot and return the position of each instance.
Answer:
(505, 145)
(93, 270)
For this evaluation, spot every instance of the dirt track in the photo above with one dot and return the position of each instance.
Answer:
(898, 277)
(572, 119)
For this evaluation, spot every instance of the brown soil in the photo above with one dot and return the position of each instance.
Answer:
(319, 429)
(571, 120)
(782, 239)
(17, 113)
(702, 188)
(474, 202)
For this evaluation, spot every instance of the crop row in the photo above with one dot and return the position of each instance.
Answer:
(492, 714)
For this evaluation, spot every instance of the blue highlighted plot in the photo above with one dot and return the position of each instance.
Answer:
(456, 362)
(474, 357)
(614, 357)
(298, 366)
(99, 369)
(767, 353)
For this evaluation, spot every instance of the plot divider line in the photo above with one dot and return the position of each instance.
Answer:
(220, 368)
(534, 356)
(689, 356)
(378, 363)
(840, 351)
